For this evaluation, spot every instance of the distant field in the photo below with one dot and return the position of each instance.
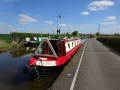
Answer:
(4, 36)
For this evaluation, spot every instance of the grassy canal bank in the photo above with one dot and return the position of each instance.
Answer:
(16, 39)
(7, 45)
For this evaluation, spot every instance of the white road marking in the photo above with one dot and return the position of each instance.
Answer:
(75, 76)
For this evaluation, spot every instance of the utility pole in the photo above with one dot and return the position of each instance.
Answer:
(69, 33)
(69, 30)
(99, 29)
(58, 18)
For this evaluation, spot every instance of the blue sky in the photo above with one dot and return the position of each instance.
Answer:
(40, 16)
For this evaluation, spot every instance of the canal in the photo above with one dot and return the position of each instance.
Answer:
(12, 76)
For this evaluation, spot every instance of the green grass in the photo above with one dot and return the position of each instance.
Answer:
(4, 36)
(7, 45)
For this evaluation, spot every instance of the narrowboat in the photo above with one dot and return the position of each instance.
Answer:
(51, 55)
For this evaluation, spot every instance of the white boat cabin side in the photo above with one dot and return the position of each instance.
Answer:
(55, 47)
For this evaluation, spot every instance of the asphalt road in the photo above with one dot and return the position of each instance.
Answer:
(99, 69)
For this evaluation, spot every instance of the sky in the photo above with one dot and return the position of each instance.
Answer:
(41, 16)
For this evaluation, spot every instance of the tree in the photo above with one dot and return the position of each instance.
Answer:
(68, 34)
(97, 33)
(75, 33)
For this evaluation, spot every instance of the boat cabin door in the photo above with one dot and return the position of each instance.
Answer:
(60, 48)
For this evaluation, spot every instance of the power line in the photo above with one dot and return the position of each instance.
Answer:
(116, 9)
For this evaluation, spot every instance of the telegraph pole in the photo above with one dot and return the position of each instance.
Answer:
(58, 18)
(99, 29)
(53, 31)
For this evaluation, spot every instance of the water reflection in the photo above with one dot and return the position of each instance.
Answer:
(22, 51)
(12, 76)
(83, 40)
(43, 83)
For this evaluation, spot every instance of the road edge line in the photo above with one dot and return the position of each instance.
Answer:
(75, 76)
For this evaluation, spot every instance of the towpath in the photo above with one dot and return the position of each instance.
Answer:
(93, 67)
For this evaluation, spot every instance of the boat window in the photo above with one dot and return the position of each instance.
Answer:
(69, 45)
(72, 43)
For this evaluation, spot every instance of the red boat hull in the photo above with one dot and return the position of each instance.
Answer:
(45, 63)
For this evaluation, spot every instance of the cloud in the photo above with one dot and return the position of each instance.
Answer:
(4, 28)
(92, 25)
(8, 14)
(48, 22)
(2, 23)
(40, 16)
(110, 18)
(18, 29)
(70, 25)
(62, 25)
(24, 19)
(84, 26)
(85, 13)
(108, 23)
(119, 26)
(9, 25)
(100, 5)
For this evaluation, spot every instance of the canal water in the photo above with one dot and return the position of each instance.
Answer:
(12, 76)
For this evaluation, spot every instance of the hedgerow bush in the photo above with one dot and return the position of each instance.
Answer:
(112, 41)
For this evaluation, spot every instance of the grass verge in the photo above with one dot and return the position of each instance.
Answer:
(7, 45)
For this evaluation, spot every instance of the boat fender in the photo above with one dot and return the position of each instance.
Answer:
(28, 70)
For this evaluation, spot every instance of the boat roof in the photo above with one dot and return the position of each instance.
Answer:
(47, 42)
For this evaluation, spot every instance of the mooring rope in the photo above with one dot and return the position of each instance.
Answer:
(44, 75)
